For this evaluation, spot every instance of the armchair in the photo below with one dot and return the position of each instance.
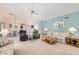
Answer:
(36, 34)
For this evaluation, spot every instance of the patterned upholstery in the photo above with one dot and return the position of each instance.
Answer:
(5, 41)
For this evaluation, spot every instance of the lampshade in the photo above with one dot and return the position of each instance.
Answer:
(36, 27)
(46, 29)
(72, 29)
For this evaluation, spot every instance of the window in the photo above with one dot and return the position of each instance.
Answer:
(10, 25)
(1, 26)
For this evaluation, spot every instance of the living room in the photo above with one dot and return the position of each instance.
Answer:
(48, 28)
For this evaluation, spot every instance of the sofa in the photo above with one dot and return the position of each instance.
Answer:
(6, 46)
(59, 37)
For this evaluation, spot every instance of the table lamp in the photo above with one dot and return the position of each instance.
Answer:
(46, 29)
(71, 30)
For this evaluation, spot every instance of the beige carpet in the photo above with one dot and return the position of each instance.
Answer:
(38, 47)
(7, 50)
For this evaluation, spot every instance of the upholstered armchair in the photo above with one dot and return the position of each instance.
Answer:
(36, 34)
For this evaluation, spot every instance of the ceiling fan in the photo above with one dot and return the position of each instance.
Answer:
(32, 10)
(66, 17)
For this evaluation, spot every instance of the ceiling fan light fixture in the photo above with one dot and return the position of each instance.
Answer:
(33, 12)
(66, 17)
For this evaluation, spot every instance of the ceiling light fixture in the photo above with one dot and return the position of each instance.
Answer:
(33, 12)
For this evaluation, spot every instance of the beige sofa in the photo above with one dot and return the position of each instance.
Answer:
(60, 37)
(6, 46)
